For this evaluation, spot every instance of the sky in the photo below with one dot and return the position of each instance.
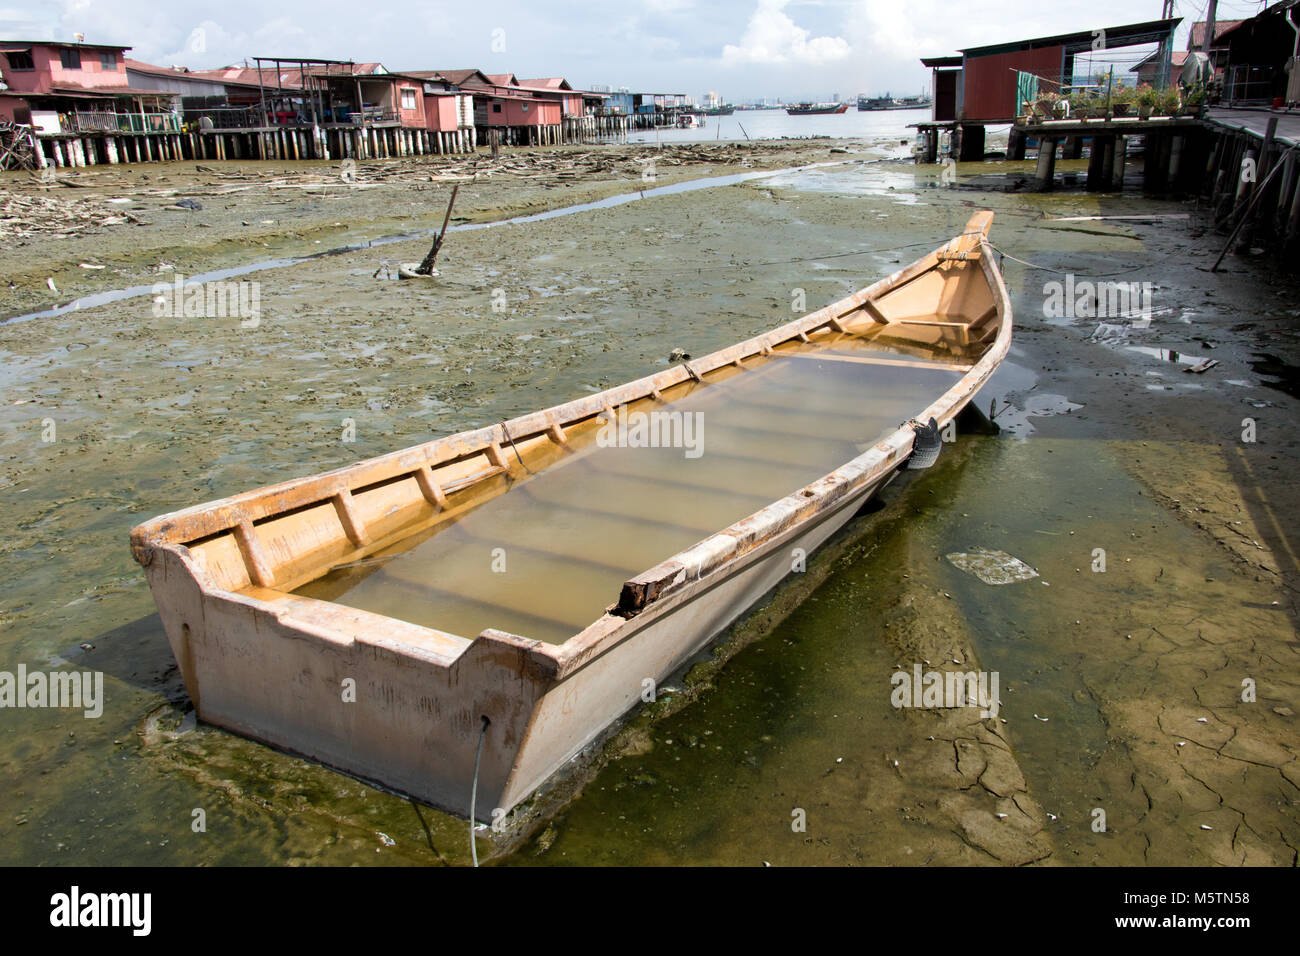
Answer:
(743, 49)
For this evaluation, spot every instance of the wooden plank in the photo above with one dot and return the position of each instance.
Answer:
(945, 325)
(901, 363)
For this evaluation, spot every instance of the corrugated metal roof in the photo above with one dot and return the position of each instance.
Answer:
(549, 82)
(1176, 58)
(198, 76)
(1197, 37)
(1128, 34)
(24, 44)
(454, 77)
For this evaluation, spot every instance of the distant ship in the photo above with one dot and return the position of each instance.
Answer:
(720, 111)
(888, 102)
(817, 109)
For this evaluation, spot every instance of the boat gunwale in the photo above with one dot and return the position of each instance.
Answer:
(173, 530)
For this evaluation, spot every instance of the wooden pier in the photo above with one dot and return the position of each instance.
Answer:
(62, 150)
(1243, 163)
(1173, 155)
(93, 148)
(1252, 179)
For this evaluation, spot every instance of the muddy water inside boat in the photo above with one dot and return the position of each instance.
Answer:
(546, 558)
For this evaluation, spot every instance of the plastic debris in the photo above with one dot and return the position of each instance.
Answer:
(992, 567)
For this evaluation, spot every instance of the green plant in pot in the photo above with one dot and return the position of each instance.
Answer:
(1121, 100)
(1168, 103)
(1147, 98)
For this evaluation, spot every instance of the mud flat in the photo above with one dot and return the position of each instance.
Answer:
(1121, 688)
(97, 228)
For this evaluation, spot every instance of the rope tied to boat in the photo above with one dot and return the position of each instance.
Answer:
(925, 445)
(473, 791)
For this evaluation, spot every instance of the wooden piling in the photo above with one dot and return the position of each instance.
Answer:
(1045, 173)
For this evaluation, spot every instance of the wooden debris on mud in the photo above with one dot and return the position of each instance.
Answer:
(24, 218)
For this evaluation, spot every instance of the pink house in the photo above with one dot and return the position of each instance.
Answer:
(48, 67)
(558, 87)
(79, 88)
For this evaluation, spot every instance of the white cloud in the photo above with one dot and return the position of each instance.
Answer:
(772, 37)
(667, 6)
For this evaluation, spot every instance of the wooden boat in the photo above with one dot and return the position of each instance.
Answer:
(474, 611)
(817, 109)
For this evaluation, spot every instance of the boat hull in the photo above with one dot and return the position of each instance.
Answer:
(819, 111)
(409, 707)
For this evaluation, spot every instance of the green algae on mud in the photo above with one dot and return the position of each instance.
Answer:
(1108, 678)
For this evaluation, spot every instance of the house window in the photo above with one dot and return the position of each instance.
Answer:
(20, 60)
(408, 99)
(108, 61)
(71, 59)
(496, 107)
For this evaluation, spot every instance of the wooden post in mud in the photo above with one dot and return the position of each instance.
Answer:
(425, 267)
(1046, 170)
(1015, 144)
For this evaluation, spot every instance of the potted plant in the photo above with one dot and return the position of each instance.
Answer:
(1192, 102)
(1147, 98)
(1168, 103)
(1121, 100)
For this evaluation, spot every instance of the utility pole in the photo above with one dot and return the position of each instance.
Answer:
(1209, 29)
(1166, 48)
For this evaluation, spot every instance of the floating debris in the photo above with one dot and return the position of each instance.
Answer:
(992, 567)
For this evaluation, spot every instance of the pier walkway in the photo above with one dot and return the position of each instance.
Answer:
(1255, 122)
